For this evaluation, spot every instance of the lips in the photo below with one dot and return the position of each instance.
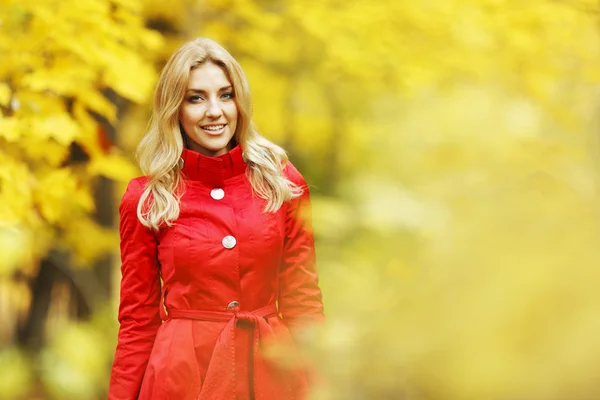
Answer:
(214, 129)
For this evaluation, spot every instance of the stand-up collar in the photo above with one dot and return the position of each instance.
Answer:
(212, 170)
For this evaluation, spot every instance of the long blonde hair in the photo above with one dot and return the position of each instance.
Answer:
(160, 149)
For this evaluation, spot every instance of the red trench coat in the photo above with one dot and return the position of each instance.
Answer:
(225, 265)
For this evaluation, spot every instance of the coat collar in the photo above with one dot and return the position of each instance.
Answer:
(212, 170)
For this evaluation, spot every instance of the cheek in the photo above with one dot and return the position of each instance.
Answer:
(189, 115)
(232, 114)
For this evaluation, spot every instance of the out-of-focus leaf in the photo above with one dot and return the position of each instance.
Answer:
(96, 102)
(5, 94)
(74, 361)
(53, 194)
(14, 245)
(15, 374)
(131, 77)
(333, 216)
(10, 129)
(88, 241)
(59, 127)
(113, 166)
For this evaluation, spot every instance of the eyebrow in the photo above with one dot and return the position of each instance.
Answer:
(201, 91)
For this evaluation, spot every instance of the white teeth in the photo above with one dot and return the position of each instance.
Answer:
(214, 127)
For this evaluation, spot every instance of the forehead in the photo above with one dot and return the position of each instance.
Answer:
(208, 76)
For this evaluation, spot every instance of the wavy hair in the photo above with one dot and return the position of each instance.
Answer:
(160, 149)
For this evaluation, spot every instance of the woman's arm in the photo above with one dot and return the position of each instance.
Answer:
(300, 299)
(140, 299)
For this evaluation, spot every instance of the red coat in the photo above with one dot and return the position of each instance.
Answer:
(225, 265)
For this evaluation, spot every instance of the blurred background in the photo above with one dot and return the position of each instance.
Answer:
(452, 148)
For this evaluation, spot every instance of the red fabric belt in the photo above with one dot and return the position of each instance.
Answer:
(224, 316)
(240, 336)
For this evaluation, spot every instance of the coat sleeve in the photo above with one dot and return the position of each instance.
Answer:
(139, 299)
(300, 299)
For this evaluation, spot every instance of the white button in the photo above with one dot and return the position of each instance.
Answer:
(229, 242)
(217, 194)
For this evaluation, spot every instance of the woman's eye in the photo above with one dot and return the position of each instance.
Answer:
(227, 96)
(194, 99)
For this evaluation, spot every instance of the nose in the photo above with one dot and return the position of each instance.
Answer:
(213, 109)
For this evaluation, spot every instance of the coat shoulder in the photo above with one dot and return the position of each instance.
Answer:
(137, 184)
(293, 175)
(134, 190)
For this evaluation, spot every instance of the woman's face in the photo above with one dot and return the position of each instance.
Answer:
(209, 113)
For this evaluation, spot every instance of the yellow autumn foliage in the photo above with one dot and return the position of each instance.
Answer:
(64, 66)
(59, 59)
(452, 151)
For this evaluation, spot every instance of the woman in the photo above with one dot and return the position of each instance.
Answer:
(218, 218)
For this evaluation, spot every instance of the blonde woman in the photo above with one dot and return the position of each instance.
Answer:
(216, 255)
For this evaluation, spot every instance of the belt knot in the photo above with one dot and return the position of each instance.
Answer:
(246, 316)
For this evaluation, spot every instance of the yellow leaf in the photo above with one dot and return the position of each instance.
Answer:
(74, 359)
(16, 375)
(114, 167)
(10, 129)
(5, 94)
(53, 194)
(89, 138)
(65, 78)
(49, 151)
(58, 127)
(14, 242)
(131, 77)
(15, 191)
(84, 119)
(88, 240)
(83, 198)
(96, 102)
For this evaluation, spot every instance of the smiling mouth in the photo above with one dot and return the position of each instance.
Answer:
(213, 129)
